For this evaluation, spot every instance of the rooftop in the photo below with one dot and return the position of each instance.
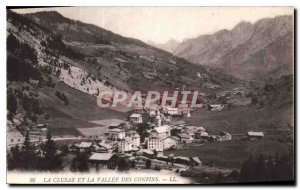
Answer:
(108, 122)
(101, 156)
(135, 115)
(85, 144)
(251, 133)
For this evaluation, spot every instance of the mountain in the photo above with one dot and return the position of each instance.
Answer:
(169, 46)
(126, 63)
(248, 51)
(56, 65)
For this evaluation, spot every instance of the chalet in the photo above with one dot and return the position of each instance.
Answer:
(196, 161)
(254, 135)
(161, 132)
(136, 140)
(216, 107)
(41, 126)
(74, 147)
(145, 152)
(85, 146)
(152, 113)
(155, 143)
(201, 135)
(162, 158)
(100, 159)
(93, 133)
(171, 111)
(14, 137)
(171, 141)
(185, 138)
(125, 145)
(103, 147)
(136, 118)
(182, 160)
(115, 134)
(213, 138)
(186, 113)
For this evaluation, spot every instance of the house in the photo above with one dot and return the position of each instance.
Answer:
(196, 161)
(136, 140)
(213, 138)
(162, 158)
(254, 135)
(155, 143)
(116, 134)
(100, 159)
(145, 153)
(186, 113)
(171, 141)
(117, 59)
(161, 132)
(216, 107)
(201, 134)
(185, 138)
(85, 146)
(125, 145)
(224, 136)
(171, 111)
(93, 133)
(41, 126)
(103, 147)
(157, 120)
(136, 118)
(182, 160)
(152, 113)
(14, 137)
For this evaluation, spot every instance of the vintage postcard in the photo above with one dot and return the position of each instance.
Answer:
(150, 95)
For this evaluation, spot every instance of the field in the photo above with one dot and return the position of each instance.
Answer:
(242, 119)
(237, 121)
(231, 154)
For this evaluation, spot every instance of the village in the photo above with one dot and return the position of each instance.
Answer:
(141, 140)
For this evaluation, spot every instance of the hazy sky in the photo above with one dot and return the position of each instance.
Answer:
(159, 24)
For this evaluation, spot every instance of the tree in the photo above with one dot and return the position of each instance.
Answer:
(80, 163)
(254, 100)
(51, 160)
(13, 158)
(12, 103)
(28, 157)
(123, 164)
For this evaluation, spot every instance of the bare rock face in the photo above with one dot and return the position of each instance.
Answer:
(247, 51)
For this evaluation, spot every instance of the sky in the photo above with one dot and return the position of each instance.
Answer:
(160, 24)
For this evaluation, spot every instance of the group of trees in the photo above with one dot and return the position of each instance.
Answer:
(62, 97)
(29, 103)
(31, 157)
(21, 60)
(21, 49)
(56, 44)
(264, 169)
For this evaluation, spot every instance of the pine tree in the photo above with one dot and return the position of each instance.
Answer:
(13, 158)
(12, 103)
(28, 156)
(51, 160)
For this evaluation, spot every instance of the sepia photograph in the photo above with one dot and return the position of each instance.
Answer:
(150, 95)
